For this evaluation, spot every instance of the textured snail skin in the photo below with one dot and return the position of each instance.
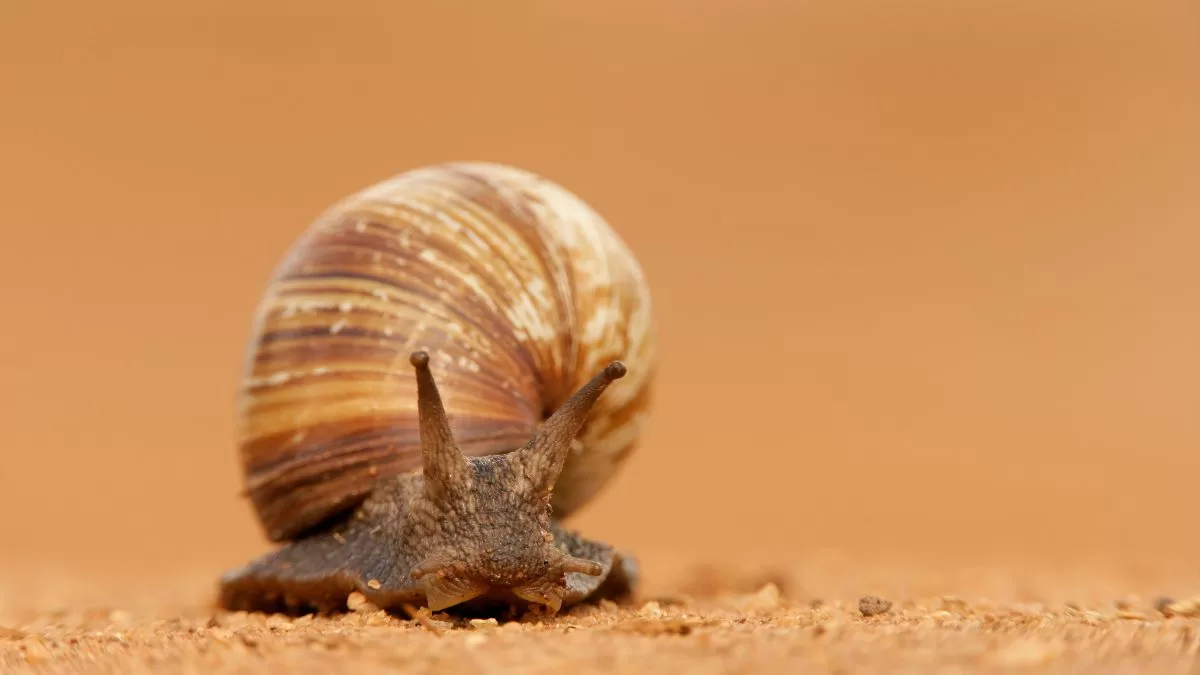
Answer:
(522, 300)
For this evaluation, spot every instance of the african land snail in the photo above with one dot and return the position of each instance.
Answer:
(422, 400)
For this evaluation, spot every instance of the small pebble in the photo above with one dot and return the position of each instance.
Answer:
(35, 651)
(249, 639)
(378, 617)
(1189, 608)
(357, 602)
(872, 605)
(651, 608)
(767, 598)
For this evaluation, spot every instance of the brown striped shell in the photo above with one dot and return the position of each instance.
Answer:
(519, 291)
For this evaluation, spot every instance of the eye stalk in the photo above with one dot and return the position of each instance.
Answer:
(544, 455)
(445, 466)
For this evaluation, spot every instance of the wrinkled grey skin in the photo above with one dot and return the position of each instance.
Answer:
(467, 533)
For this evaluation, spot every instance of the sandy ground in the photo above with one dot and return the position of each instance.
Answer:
(824, 615)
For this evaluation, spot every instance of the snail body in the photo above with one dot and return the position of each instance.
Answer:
(421, 404)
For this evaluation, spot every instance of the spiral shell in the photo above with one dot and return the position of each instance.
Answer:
(519, 291)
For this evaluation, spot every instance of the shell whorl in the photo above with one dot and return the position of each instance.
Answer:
(519, 291)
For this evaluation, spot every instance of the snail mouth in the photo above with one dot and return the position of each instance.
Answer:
(543, 593)
(449, 584)
(550, 589)
(446, 583)
(442, 593)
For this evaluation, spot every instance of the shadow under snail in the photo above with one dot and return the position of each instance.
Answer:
(422, 403)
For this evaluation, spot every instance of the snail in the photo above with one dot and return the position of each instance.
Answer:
(444, 367)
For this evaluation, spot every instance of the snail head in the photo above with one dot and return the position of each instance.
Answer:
(485, 521)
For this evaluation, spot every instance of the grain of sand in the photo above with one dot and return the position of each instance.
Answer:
(826, 615)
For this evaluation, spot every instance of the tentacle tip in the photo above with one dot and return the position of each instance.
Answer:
(615, 370)
(419, 358)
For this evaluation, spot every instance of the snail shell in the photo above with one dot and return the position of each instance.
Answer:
(519, 291)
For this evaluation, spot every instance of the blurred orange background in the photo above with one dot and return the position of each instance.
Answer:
(925, 272)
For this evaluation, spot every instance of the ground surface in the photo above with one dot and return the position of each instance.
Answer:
(693, 619)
